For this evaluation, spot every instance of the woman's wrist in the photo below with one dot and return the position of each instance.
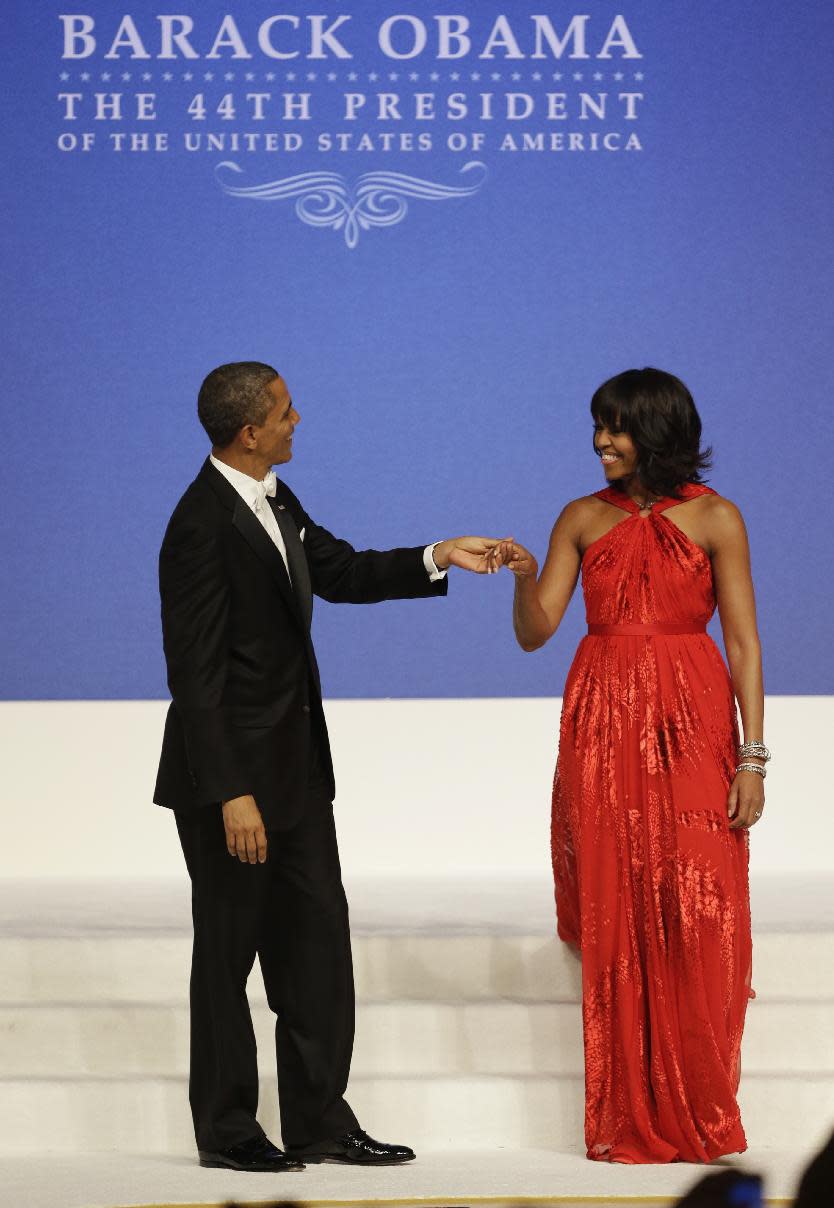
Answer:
(527, 582)
(755, 750)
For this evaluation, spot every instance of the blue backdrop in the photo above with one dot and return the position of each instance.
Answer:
(442, 363)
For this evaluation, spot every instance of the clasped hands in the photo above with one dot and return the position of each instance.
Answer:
(485, 555)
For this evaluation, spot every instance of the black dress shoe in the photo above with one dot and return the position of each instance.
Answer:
(354, 1149)
(257, 1154)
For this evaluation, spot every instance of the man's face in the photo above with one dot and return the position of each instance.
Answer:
(274, 435)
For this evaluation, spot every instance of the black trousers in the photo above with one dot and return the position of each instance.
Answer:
(292, 913)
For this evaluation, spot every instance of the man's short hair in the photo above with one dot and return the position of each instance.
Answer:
(232, 396)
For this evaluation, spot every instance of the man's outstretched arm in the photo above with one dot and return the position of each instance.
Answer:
(343, 575)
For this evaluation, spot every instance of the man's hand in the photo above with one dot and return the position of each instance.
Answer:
(245, 834)
(478, 554)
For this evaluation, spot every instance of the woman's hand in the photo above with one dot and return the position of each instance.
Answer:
(745, 802)
(517, 559)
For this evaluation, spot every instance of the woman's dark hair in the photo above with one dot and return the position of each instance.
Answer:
(656, 410)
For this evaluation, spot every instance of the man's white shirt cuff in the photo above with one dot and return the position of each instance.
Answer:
(428, 561)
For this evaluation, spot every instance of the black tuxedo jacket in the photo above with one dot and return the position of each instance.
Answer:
(241, 667)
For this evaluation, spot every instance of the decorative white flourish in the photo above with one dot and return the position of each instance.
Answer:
(325, 199)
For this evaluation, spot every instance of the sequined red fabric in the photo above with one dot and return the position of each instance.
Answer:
(651, 884)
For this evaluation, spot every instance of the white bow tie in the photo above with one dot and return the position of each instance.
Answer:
(262, 489)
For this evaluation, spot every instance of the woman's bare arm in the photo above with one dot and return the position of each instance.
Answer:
(730, 554)
(540, 604)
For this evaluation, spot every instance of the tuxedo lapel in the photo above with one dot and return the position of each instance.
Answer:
(250, 527)
(254, 533)
(297, 560)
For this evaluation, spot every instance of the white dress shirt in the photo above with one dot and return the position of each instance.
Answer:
(252, 493)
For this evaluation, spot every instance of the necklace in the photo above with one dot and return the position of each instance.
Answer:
(646, 505)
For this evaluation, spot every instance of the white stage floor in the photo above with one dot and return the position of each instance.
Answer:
(540, 1176)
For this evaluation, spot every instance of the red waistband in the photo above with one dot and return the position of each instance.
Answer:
(654, 629)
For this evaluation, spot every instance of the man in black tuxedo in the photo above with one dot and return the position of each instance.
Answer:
(246, 768)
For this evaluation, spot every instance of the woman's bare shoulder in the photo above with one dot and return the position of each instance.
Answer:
(722, 516)
(720, 507)
(576, 514)
(585, 505)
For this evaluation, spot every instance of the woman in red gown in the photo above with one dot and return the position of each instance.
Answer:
(653, 795)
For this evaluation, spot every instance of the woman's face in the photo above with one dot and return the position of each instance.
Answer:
(617, 451)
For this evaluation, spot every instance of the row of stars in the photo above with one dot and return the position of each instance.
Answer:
(351, 76)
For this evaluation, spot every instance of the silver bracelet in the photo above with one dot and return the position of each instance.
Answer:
(755, 749)
(752, 767)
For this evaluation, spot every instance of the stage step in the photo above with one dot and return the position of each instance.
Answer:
(125, 968)
(468, 1025)
(393, 1040)
(148, 1114)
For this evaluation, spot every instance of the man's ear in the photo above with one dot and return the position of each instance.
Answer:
(247, 437)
